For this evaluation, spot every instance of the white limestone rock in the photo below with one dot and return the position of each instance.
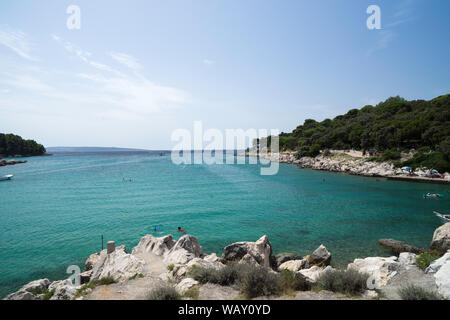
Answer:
(185, 285)
(119, 265)
(158, 246)
(294, 265)
(381, 269)
(441, 238)
(259, 252)
(407, 258)
(442, 278)
(438, 263)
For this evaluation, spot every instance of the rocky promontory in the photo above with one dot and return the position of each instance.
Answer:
(4, 162)
(350, 162)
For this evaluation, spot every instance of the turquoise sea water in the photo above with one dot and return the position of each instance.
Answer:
(54, 211)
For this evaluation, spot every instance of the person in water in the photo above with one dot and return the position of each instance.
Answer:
(180, 229)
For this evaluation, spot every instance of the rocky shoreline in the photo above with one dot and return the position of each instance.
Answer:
(157, 261)
(4, 162)
(349, 163)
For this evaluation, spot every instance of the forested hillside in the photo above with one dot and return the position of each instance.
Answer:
(389, 127)
(11, 144)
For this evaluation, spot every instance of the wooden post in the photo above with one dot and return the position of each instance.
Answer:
(102, 242)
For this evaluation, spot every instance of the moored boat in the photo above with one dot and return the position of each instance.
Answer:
(7, 177)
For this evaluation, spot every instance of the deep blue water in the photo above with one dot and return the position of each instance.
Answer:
(54, 211)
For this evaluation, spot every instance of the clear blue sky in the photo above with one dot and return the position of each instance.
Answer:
(137, 70)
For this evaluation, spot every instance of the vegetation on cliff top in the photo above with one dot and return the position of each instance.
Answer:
(11, 144)
(395, 125)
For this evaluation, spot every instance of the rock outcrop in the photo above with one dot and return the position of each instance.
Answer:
(119, 265)
(184, 250)
(438, 263)
(294, 265)
(158, 246)
(283, 257)
(407, 259)
(63, 290)
(441, 239)
(440, 268)
(398, 247)
(320, 257)
(380, 269)
(30, 291)
(256, 253)
(313, 273)
(442, 278)
(185, 284)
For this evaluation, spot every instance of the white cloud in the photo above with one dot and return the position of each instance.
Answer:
(17, 41)
(82, 54)
(126, 59)
(101, 92)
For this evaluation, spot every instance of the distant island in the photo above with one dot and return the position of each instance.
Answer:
(384, 132)
(14, 145)
(91, 149)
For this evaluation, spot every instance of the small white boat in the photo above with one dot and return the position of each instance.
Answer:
(7, 177)
(443, 217)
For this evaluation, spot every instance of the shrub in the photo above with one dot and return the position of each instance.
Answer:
(344, 281)
(202, 275)
(423, 260)
(291, 281)
(391, 154)
(259, 282)
(192, 293)
(170, 267)
(106, 281)
(164, 292)
(327, 153)
(412, 292)
(252, 281)
(137, 275)
(93, 284)
(225, 276)
(48, 294)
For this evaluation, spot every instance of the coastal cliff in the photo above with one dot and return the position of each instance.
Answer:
(162, 268)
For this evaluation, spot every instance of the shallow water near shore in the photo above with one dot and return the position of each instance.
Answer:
(54, 211)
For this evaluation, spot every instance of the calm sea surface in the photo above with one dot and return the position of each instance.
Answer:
(54, 211)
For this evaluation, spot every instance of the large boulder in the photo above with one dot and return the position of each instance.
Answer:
(294, 265)
(381, 270)
(119, 265)
(407, 259)
(441, 239)
(259, 252)
(22, 295)
(184, 250)
(91, 260)
(442, 278)
(320, 257)
(30, 291)
(37, 285)
(185, 284)
(398, 247)
(438, 263)
(158, 246)
(283, 257)
(63, 290)
(313, 273)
